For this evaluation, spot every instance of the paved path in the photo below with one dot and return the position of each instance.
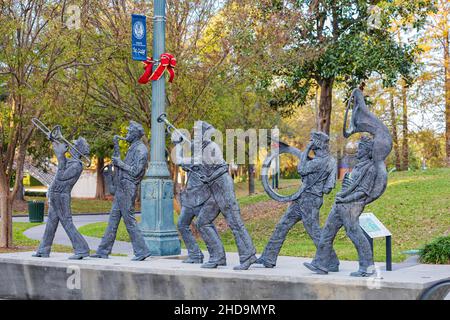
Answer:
(36, 233)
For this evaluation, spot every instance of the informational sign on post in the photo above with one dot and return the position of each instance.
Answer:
(138, 37)
(372, 226)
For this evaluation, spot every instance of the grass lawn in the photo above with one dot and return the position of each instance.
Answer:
(415, 208)
(22, 243)
(78, 205)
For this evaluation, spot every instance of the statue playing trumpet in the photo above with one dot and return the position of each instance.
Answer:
(210, 191)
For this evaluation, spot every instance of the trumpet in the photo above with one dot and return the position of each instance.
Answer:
(56, 135)
(172, 129)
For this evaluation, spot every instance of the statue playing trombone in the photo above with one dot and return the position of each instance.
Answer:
(67, 174)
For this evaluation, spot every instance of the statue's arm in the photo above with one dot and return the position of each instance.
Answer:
(330, 183)
(361, 191)
(311, 166)
(306, 165)
(71, 170)
(135, 169)
(352, 197)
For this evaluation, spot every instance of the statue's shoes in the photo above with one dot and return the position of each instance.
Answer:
(333, 268)
(266, 264)
(315, 269)
(193, 260)
(361, 273)
(41, 255)
(141, 258)
(79, 256)
(213, 265)
(99, 256)
(246, 264)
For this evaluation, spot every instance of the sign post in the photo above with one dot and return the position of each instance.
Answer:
(373, 228)
(157, 225)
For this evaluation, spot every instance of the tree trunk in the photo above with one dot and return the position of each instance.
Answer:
(251, 179)
(405, 145)
(316, 108)
(5, 213)
(100, 190)
(20, 195)
(394, 133)
(325, 105)
(447, 92)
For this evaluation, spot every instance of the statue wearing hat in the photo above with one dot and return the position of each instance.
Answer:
(59, 211)
(196, 198)
(130, 173)
(318, 175)
(365, 184)
(357, 187)
(212, 170)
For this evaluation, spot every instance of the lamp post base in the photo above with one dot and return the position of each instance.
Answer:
(157, 226)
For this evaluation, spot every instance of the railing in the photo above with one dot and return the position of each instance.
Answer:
(45, 178)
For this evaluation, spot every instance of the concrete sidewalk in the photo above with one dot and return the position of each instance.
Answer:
(36, 233)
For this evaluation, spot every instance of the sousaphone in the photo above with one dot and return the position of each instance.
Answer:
(362, 120)
(283, 148)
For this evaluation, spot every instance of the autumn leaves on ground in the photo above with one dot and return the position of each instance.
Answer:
(415, 208)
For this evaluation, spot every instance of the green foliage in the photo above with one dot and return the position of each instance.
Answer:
(437, 251)
(333, 40)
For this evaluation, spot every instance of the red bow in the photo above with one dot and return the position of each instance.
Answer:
(166, 62)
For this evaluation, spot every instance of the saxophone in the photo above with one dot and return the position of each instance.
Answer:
(111, 173)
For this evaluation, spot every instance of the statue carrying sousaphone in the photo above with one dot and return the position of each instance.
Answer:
(362, 120)
(363, 185)
(318, 174)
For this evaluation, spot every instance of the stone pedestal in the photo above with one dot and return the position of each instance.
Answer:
(118, 278)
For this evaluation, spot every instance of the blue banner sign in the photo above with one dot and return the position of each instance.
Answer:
(138, 37)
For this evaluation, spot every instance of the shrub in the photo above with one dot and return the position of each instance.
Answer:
(437, 251)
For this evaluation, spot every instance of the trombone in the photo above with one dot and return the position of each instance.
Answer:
(56, 135)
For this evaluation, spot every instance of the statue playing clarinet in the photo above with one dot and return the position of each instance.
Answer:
(364, 184)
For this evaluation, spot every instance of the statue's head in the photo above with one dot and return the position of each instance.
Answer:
(82, 146)
(365, 148)
(207, 131)
(135, 131)
(320, 141)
